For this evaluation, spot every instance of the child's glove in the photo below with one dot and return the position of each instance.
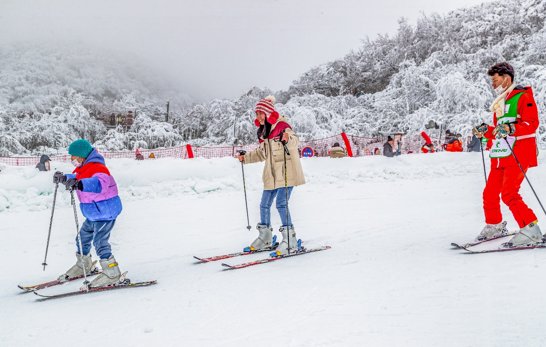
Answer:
(59, 177)
(73, 184)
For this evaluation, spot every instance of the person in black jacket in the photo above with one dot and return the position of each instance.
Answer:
(474, 144)
(43, 165)
(389, 148)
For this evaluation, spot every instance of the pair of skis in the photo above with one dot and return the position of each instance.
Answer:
(123, 283)
(301, 251)
(502, 248)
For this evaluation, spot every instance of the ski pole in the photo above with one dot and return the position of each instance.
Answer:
(78, 236)
(483, 162)
(242, 152)
(523, 172)
(286, 192)
(50, 224)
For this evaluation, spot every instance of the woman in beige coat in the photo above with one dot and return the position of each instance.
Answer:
(282, 172)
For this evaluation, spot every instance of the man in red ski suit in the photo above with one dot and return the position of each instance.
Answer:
(515, 121)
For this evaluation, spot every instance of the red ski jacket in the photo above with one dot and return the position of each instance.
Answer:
(526, 124)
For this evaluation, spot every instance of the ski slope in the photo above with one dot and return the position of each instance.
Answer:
(390, 279)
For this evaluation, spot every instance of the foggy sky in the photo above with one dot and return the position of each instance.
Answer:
(216, 48)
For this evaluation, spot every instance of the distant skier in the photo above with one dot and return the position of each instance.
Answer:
(273, 131)
(515, 119)
(138, 154)
(453, 142)
(44, 164)
(390, 148)
(428, 147)
(100, 204)
(473, 144)
(337, 151)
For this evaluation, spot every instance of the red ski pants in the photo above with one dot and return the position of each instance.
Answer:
(504, 183)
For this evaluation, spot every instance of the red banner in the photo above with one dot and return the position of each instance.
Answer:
(347, 144)
(189, 151)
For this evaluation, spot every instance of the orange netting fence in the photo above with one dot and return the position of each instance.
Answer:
(354, 145)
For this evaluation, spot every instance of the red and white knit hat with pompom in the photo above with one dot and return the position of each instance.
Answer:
(266, 106)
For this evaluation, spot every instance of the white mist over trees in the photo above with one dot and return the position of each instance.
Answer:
(51, 95)
(434, 70)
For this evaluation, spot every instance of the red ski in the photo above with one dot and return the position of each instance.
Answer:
(236, 254)
(506, 248)
(123, 285)
(270, 259)
(28, 289)
(475, 243)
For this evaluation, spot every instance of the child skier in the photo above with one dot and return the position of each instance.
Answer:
(515, 119)
(274, 133)
(100, 205)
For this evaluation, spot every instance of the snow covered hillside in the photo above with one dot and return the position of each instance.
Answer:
(434, 70)
(51, 94)
(390, 278)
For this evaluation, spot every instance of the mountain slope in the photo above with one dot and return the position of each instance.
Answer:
(390, 278)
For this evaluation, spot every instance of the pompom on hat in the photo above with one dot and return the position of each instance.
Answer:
(266, 106)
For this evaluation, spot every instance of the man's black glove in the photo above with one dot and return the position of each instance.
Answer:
(73, 184)
(59, 177)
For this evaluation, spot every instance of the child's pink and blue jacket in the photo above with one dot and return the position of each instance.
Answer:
(99, 200)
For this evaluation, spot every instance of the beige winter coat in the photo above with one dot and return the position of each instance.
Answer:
(337, 152)
(272, 152)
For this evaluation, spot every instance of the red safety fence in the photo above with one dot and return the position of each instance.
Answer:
(355, 146)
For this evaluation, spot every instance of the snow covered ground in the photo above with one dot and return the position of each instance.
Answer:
(390, 278)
